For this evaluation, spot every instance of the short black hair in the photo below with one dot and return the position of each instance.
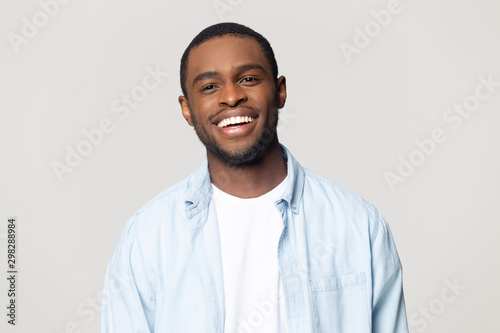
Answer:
(222, 29)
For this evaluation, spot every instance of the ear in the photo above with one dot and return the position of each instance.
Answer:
(281, 91)
(186, 111)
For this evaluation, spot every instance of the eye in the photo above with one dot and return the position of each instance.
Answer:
(208, 87)
(249, 79)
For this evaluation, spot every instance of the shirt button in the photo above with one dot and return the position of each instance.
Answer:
(294, 206)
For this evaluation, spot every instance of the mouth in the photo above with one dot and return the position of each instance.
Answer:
(235, 121)
(236, 126)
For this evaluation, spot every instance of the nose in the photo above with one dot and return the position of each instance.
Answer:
(232, 95)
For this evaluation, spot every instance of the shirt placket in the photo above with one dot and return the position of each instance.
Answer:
(292, 283)
(210, 296)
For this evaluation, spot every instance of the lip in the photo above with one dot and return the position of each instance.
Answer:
(242, 112)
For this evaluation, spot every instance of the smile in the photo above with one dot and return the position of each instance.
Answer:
(235, 120)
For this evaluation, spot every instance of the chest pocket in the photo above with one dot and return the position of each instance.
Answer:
(339, 304)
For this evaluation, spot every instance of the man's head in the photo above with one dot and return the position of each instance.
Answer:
(223, 29)
(228, 76)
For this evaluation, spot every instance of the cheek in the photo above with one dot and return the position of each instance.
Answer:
(269, 95)
(264, 98)
(200, 109)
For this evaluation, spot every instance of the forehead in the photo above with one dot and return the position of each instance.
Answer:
(224, 54)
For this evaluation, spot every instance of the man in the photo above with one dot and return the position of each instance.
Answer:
(251, 241)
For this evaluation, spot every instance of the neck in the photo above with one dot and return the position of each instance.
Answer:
(252, 180)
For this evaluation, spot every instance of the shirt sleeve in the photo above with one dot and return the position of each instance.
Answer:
(389, 312)
(128, 295)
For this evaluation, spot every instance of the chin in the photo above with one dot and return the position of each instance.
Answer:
(240, 156)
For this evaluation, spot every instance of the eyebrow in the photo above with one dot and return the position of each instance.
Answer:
(206, 75)
(238, 70)
(244, 68)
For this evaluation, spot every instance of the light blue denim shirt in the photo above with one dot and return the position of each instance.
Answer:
(338, 263)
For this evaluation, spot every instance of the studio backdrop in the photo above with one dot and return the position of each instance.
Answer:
(396, 100)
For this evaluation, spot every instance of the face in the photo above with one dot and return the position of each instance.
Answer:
(233, 98)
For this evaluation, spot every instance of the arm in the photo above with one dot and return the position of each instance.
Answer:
(128, 296)
(388, 306)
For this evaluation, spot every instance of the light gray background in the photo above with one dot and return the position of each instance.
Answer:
(348, 121)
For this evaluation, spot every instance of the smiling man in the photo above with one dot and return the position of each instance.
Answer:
(252, 241)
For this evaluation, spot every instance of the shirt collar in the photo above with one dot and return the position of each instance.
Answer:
(294, 189)
(199, 190)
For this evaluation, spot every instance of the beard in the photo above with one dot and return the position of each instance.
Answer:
(243, 156)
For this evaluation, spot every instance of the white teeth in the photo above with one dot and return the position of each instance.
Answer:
(235, 120)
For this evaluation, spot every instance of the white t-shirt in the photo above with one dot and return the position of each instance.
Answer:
(249, 234)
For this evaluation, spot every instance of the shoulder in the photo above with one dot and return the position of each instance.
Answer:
(344, 205)
(166, 197)
(328, 191)
(156, 225)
